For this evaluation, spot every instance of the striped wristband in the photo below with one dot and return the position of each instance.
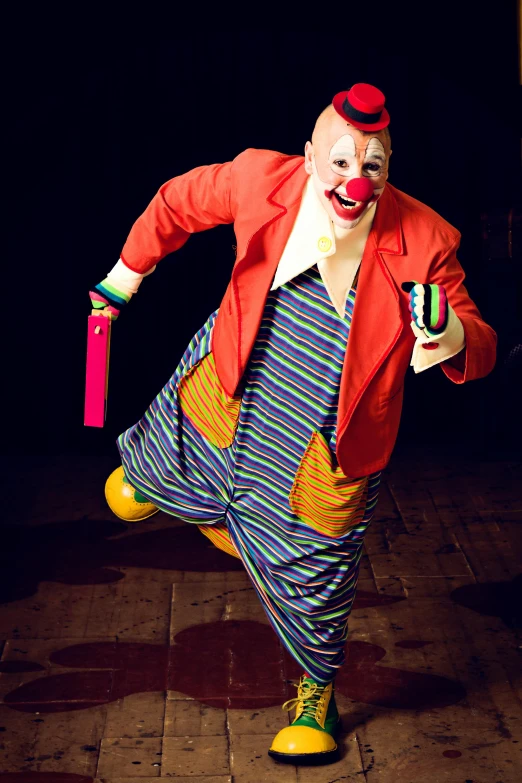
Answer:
(106, 295)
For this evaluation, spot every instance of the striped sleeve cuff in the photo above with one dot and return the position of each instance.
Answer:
(109, 292)
(105, 296)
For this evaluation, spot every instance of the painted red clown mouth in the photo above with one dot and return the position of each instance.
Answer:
(346, 208)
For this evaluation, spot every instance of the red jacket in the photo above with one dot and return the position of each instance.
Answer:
(260, 192)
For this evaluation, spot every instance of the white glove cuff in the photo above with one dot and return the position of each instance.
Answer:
(125, 279)
(450, 342)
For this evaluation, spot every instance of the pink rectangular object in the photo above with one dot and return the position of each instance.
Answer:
(97, 375)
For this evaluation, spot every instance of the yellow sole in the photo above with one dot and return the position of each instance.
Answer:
(136, 520)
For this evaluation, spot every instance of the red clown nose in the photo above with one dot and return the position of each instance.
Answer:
(360, 189)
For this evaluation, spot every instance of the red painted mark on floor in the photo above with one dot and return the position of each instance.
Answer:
(494, 599)
(13, 667)
(411, 644)
(362, 680)
(452, 754)
(235, 664)
(126, 668)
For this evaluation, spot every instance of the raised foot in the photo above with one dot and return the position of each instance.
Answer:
(125, 501)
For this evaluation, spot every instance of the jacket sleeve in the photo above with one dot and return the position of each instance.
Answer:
(480, 339)
(200, 199)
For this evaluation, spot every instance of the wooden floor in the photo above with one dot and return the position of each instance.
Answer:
(133, 652)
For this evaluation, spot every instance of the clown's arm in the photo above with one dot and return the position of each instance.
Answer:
(192, 202)
(447, 324)
(116, 289)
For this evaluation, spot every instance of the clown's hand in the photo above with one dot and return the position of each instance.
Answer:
(428, 307)
(115, 291)
(105, 296)
(439, 331)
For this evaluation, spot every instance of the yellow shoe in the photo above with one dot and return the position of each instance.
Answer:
(125, 501)
(311, 739)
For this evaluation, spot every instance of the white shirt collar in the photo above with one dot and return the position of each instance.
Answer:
(313, 241)
(311, 238)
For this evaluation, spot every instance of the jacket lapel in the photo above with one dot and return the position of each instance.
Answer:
(254, 271)
(377, 322)
(282, 202)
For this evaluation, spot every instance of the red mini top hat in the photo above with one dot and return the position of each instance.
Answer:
(362, 107)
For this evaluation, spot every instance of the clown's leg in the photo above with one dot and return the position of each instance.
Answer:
(312, 736)
(125, 501)
(130, 505)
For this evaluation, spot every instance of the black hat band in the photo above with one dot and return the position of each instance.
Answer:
(360, 116)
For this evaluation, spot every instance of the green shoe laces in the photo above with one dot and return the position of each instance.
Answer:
(310, 697)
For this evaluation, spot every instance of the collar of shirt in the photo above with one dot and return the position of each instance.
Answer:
(314, 239)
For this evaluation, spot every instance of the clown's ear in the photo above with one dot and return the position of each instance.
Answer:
(308, 150)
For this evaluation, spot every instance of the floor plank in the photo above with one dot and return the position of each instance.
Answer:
(136, 652)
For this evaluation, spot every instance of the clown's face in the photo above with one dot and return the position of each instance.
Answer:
(349, 170)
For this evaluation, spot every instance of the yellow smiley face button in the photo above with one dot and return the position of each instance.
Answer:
(324, 244)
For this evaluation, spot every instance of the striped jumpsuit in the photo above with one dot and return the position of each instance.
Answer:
(261, 494)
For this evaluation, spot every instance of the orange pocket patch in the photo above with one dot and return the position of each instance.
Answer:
(322, 496)
(203, 400)
(220, 537)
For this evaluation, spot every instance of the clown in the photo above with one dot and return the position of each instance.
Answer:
(273, 430)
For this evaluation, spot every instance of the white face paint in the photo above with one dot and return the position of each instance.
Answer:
(342, 154)
(351, 156)
(375, 161)
(345, 160)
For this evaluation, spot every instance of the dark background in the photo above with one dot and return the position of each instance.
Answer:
(96, 126)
